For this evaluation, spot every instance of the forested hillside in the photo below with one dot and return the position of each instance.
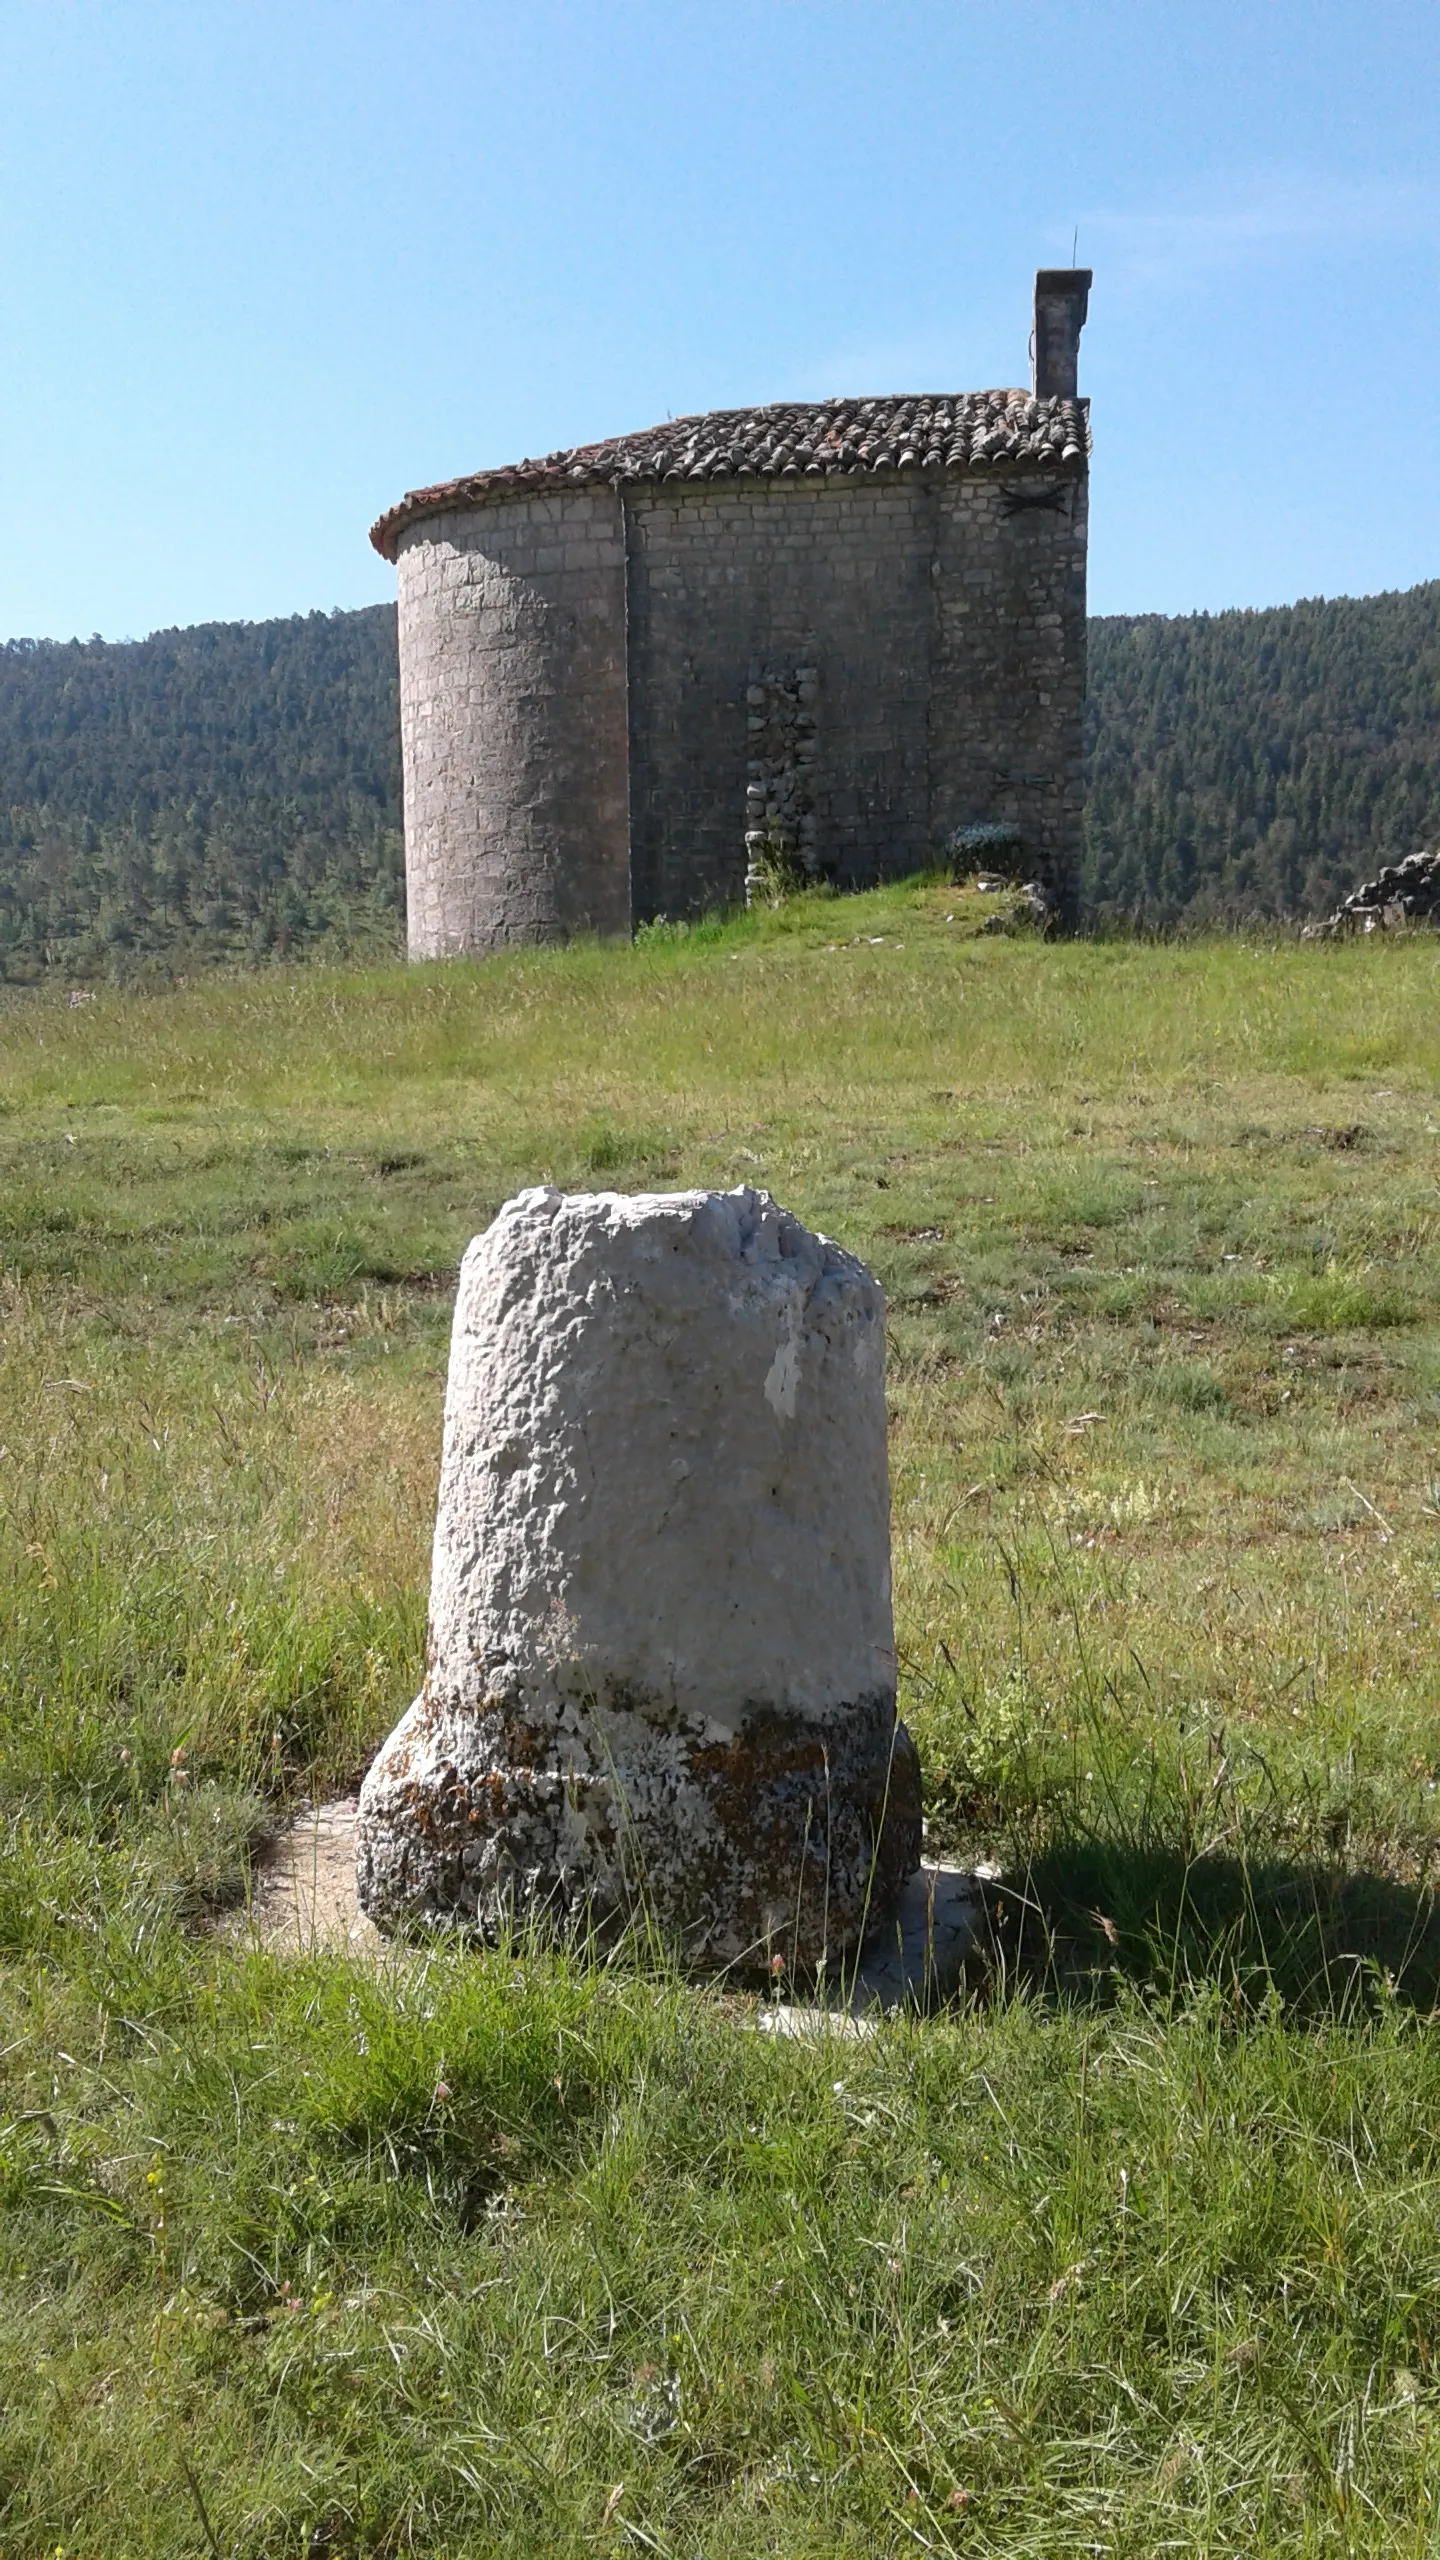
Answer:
(233, 791)
(220, 793)
(1260, 763)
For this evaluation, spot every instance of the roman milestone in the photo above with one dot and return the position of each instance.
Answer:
(661, 1664)
(818, 642)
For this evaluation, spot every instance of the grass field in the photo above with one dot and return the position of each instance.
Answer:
(478, 2255)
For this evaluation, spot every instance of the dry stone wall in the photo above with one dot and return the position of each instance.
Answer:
(781, 829)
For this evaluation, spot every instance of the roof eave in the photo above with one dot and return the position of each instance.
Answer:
(486, 488)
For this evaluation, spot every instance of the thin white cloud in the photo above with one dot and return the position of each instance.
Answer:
(1274, 221)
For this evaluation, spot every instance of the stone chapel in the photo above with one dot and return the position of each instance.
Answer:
(831, 641)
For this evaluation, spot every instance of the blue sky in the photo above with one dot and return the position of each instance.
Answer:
(264, 265)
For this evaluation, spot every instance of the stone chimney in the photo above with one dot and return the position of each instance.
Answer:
(1062, 298)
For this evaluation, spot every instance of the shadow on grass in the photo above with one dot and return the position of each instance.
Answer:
(1082, 1917)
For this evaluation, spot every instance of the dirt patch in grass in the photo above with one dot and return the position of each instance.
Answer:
(302, 1897)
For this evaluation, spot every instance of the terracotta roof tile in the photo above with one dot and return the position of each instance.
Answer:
(961, 431)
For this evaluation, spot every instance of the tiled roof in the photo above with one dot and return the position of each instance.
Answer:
(963, 431)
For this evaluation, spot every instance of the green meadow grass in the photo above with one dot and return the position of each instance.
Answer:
(525, 2253)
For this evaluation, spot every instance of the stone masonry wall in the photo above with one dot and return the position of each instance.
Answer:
(1007, 669)
(943, 620)
(728, 580)
(513, 722)
(587, 676)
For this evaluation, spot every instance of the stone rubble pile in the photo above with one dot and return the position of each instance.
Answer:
(1031, 910)
(661, 1654)
(1403, 893)
(994, 851)
(781, 833)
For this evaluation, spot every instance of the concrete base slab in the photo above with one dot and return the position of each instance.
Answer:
(938, 1940)
(303, 1899)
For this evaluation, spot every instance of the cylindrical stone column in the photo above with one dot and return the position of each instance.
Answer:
(661, 1659)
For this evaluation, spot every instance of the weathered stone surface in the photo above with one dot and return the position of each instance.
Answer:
(945, 628)
(662, 1664)
(1403, 893)
(937, 1942)
(512, 724)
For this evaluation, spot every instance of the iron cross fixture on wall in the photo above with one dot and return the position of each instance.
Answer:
(1016, 502)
